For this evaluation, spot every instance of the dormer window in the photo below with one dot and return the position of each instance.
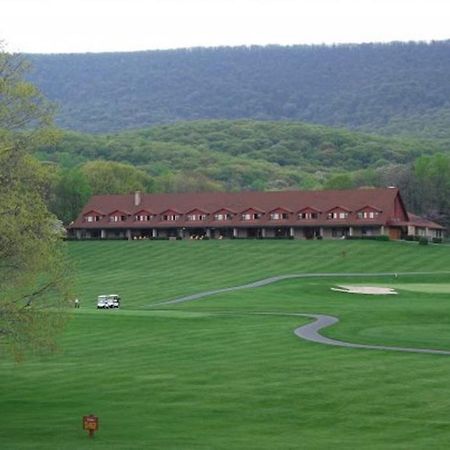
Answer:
(338, 213)
(92, 216)
(279, 214)
(251, 214)
(196, 216)
(223, 214)
(308, 214)
(368, 212)
(117, 218)
(170, 217)
(142, 217)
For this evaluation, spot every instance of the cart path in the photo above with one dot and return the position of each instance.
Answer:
(274, 279)
(310, 331)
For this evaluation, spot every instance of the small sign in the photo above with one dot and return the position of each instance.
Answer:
(90, 423)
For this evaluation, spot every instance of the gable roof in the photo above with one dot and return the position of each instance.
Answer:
(387, 200)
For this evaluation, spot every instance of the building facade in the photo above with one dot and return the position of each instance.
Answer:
(219, 215)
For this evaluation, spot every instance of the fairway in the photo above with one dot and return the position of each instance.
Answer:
(226, 370)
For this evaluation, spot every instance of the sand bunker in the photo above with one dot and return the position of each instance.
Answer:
(369, 290)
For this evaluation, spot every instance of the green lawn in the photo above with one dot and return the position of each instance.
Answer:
(215, 374)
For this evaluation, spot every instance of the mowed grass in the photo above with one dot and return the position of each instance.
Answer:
(146, 272)
(217, 374)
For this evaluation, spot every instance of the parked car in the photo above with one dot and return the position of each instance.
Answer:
(102, 302)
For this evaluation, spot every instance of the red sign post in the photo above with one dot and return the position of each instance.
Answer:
(90, 423)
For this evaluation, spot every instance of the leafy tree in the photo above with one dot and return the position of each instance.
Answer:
(70, 192)
(340, 181)
(33, 280)
(110, 177)
(433, 176)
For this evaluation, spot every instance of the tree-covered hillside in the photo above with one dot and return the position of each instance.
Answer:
(246, 155)
(393, 88)
(243, 154)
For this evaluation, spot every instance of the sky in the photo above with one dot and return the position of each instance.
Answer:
(72, 26)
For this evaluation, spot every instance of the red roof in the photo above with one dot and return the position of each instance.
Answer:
(421, 222)
(386, 200)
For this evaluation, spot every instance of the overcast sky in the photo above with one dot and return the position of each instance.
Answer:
(56, 26)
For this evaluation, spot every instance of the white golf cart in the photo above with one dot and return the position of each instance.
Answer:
(114, 301)
(102, 302)
(108, 301)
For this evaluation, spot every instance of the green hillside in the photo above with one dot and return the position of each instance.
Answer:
(152, 271)
(394, 88)
(227, 371)
(244, 154)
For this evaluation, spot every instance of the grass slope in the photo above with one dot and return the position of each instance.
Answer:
(146, 272)
(212, 374)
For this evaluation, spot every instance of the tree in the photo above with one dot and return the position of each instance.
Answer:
(340, 181)
(33, 274)
(432, 175)
(110, 177)
(70, 192)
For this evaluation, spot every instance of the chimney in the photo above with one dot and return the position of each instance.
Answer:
(137, 198)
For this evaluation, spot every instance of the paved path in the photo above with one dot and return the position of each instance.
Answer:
(270, 280)
(310, 331)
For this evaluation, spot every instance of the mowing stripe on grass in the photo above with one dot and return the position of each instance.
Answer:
(310, 332)
(271, 280)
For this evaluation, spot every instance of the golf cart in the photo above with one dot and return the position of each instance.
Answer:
(102, 302)
(110, 301)
(113, 301)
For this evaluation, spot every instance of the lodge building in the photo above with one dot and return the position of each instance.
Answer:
(217, 215)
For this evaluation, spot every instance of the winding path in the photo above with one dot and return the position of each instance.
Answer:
(310, 331)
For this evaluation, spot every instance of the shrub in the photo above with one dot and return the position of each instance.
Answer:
(369, 238)
(423, 240)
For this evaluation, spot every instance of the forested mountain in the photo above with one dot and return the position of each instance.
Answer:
(397, 88)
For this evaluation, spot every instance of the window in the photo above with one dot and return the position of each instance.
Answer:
(251, 216)
(170, 217)
(367, 214)
(196, 217)
(278, 215)
(92, 218)
(222, 216)
(308, 215)
(142, 217)
(117, 218)
(337, 215)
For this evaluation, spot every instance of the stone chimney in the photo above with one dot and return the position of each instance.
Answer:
(137, 198)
